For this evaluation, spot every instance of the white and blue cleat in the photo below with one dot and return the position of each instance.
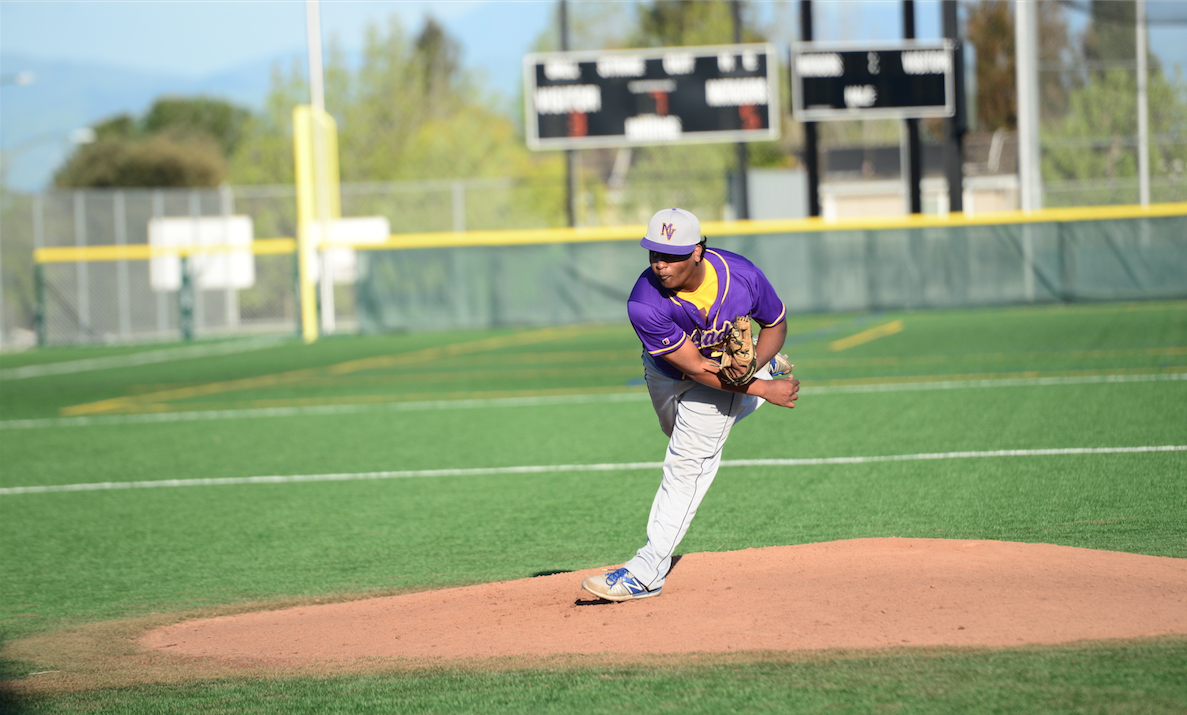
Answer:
(780, 365)
(618, 585)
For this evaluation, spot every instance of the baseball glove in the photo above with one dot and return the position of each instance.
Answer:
(738, 351)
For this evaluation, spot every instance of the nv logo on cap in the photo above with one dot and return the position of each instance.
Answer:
(668, 229)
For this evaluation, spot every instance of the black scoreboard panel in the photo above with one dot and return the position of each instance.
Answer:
(578, 100)
(844, 81)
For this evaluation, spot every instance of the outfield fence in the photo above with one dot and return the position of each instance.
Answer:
(90, 291)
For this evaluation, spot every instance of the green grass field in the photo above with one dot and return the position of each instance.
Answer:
(410, 407)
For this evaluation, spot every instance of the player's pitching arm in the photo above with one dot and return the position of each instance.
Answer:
(784, 392)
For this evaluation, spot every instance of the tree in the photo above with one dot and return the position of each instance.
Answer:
(180, 142)
(406, 111)
(671, 23)
(155, 161)
(265, 154)
(990, 29)
(592, 25)
(439, 58)
(1110, 35)
(200, 116)
(1094, 139)
(121, 126)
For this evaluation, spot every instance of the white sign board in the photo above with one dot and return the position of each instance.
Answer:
(346, 232)
(231, 266)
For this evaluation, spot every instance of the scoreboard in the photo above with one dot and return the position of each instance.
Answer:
(580, 100)
(832, 81)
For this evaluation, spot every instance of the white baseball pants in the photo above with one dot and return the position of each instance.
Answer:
(697, 419)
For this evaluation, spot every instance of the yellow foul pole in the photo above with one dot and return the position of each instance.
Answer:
(315, 148)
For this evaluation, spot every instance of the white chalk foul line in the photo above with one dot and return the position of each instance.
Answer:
(1002, 382)
(633, 396)
(144, 358)
(547, 469)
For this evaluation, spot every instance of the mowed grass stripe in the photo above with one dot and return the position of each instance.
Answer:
(550, 468)
(339, 407)
(426, 355)
(150, 357)
(313, 407)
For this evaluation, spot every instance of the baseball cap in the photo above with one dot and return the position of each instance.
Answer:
(672, 231)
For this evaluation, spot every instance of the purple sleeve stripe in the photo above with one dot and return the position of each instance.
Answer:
(665, 351)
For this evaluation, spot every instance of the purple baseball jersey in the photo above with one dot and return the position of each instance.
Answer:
(663, 321)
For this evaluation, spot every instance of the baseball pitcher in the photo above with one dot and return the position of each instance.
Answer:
(695, 309)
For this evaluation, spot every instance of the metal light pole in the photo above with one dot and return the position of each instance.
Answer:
(1026, 63)
(742, 199)
(954, 151)
(914, 162)
(570, 155)
(1143, 108)
(811, 156)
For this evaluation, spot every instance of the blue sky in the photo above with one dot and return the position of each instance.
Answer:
(195, 39)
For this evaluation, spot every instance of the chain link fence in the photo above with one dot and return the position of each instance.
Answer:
(1089, 77)
(103, 301)
(114, 300)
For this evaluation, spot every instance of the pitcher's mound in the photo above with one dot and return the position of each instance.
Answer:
(864, 593)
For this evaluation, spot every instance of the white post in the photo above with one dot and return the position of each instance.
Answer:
(158, 211)
(1026, 62)
(1143, 109)
(198, 315)
(121, 267)
(231, 295)
(82, 284)
(1027, 79)
(317, 97)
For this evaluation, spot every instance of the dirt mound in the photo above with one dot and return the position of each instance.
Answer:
(864, 593)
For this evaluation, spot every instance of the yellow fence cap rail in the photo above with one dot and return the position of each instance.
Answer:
(771, 226)
(143, 251)
(406, 241)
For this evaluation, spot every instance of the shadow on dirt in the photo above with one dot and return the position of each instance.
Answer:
(12, 702)
(551, 573)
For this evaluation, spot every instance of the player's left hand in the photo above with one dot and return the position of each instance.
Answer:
(782, 392)
(738, 363)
